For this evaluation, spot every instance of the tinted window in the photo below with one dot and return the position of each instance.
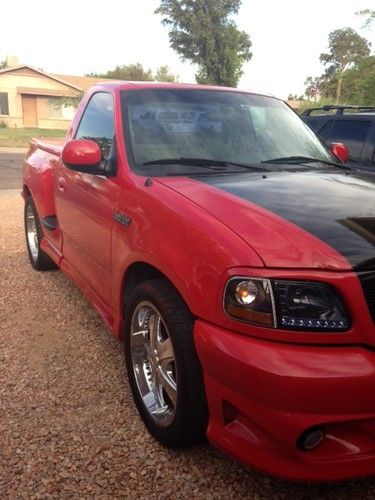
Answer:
(323, 132)
(165, 124)
(313, 124)
(97, 122)
(352, 133)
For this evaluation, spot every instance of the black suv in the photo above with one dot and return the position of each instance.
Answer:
(352, 125)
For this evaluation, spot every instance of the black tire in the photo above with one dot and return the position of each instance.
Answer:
(39, 259)
(187, 419)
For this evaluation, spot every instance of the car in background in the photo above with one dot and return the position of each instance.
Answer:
(352, 125)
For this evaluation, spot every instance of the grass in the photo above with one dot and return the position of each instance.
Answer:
(19, 137)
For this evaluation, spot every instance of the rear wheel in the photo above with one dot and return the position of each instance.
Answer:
(163, 368)
(34, 234)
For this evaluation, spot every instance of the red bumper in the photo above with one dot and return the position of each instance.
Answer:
(263, 396)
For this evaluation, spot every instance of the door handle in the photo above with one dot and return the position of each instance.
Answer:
(61, 184)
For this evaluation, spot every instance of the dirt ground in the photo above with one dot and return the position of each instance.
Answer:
(68, 427)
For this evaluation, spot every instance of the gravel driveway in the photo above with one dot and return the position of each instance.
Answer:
(68, 428)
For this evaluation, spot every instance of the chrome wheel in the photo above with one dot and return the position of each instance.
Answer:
(153, 363)
(31, 232)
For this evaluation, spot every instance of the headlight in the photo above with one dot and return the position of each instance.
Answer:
(291, 305)
(309, 306)
(250, 300)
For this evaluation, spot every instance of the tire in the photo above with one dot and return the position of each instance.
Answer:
(160, 356)
(34, 234)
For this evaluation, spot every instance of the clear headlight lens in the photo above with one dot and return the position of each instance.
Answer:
(291, 305)
(250, 300)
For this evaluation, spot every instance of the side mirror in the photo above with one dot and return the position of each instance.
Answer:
(82, 155)
(340, 151)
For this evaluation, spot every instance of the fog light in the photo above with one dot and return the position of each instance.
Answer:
(310, 439)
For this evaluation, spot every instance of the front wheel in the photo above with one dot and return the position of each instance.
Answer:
(163, 368)
(33, 232)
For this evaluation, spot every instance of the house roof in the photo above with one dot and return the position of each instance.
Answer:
(83, 82)
(40, 72)
(79, 83)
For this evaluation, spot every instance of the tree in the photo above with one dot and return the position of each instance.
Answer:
(370, 14)
(163, 75)
(358, 85)
(202, 32)
(347, 48)
(3, 64)
(132, 72)
(312, 87)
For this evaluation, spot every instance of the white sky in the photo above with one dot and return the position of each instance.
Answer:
(75, 37)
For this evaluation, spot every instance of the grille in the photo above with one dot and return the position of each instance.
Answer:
(368, 285)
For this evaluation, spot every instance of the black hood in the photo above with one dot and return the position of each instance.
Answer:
(336, 207)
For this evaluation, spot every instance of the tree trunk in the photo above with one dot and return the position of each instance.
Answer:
(338, 87)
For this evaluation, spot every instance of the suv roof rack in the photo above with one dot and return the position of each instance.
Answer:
(339, 109)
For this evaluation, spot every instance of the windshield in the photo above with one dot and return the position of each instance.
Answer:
(224, 126)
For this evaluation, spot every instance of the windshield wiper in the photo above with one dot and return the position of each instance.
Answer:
(297, 160)
(202, 162)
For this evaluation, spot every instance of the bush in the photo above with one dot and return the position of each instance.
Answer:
(3, 124)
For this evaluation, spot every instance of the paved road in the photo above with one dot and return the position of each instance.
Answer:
(11, 170)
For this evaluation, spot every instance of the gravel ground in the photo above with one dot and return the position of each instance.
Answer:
(68, 428)
(11, 163)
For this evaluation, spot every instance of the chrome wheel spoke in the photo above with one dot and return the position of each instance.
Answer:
(32, 233)
(169, 387)
(165, 352)
(153, 363)
(154, 326)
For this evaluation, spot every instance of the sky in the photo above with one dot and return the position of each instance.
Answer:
(76, 37)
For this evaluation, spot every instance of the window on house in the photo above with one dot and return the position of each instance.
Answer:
(4, 105)
(55, 109)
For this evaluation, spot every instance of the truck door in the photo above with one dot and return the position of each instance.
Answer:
(85, 203)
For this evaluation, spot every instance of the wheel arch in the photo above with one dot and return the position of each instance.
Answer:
(26, 191)
(141, 271)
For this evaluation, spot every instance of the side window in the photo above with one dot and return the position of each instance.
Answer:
(352, 133)
(312, 124)
(97, 122)
(323, 132)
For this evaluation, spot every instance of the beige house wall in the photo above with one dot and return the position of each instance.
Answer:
(14, 101)
(44, 118)
(10, 82)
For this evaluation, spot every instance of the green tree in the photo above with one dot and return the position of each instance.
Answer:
(163, 75)
(3, 64)
(203, 32)
(347, 48)
(312, 87)
(370, 15)
(358, 86)
(132, 72)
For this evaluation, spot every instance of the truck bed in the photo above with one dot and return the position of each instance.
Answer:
(54, 146)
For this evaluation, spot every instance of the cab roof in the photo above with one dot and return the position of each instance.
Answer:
(126, 85)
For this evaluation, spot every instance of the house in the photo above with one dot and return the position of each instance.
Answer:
(30, 97)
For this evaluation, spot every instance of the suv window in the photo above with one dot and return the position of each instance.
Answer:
(97, 122)
(323, 132)
(352, 133)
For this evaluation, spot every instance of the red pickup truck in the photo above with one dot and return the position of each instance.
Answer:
(235, 256)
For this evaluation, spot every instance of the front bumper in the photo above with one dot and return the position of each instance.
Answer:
(263, 396)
